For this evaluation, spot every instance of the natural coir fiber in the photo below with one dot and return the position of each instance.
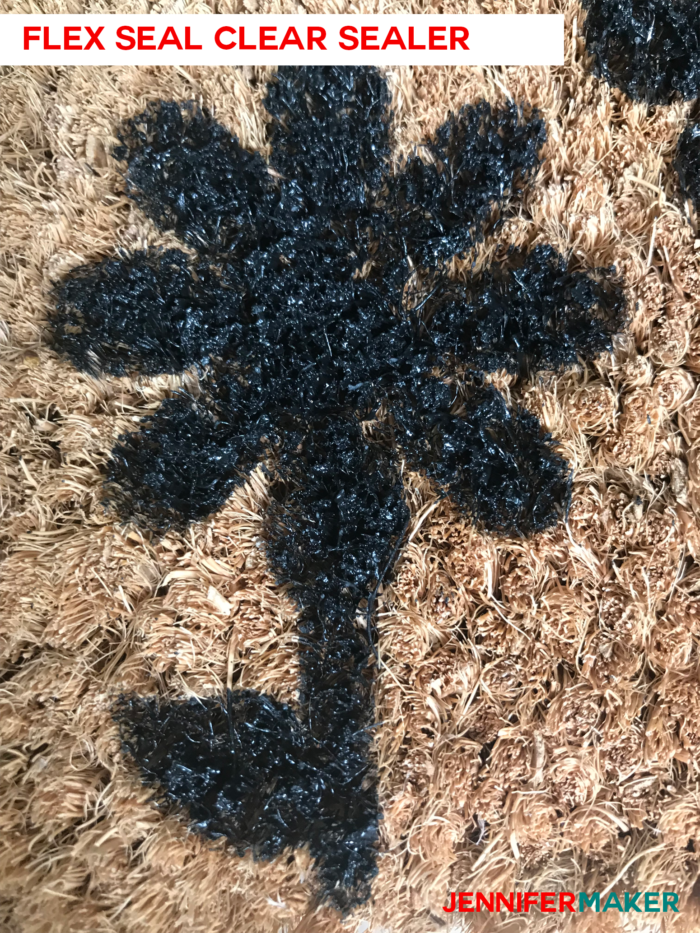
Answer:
(536, 699)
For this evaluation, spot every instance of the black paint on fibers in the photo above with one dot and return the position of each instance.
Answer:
(496, 464)
(221, 757)
(531, 312)
(188, 456)
(437, 206)
(321, 340)
(337, 512)
(188, 174)
(650, 49)
(330, 140)
(321, 293)
(150, 312)
(249, 768)
(330, 529)
(687, 163)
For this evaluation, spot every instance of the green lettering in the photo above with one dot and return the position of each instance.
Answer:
(612, 901)
(670, 901)
(585, 901)
(631, 902)
(648, 902)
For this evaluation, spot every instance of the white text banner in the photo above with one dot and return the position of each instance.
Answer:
(84, 39)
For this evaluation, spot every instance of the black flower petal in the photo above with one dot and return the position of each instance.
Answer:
(496, 463)
(650, 49)
(330, 138)
(187, 458)
(530, 312)
(190, 175)
(150, 312)
(475, 160)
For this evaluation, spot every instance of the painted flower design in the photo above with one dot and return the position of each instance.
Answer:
(317, 298)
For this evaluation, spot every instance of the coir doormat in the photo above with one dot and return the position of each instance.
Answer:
(350, 489)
